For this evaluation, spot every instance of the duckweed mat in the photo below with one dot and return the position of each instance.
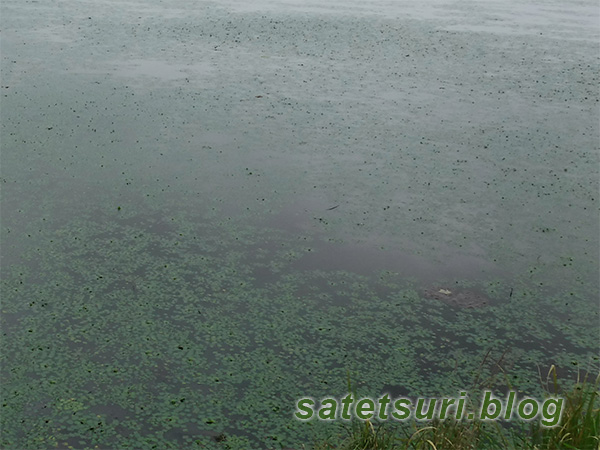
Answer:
(155, 331)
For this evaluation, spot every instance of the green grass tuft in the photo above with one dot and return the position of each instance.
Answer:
(578, 429)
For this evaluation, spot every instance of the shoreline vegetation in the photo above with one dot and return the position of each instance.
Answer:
(579, 427)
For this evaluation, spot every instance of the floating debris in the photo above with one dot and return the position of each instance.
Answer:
(458, 299)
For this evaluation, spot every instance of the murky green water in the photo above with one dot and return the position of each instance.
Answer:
(210, 210)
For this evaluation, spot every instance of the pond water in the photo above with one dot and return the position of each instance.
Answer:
(212, 209)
